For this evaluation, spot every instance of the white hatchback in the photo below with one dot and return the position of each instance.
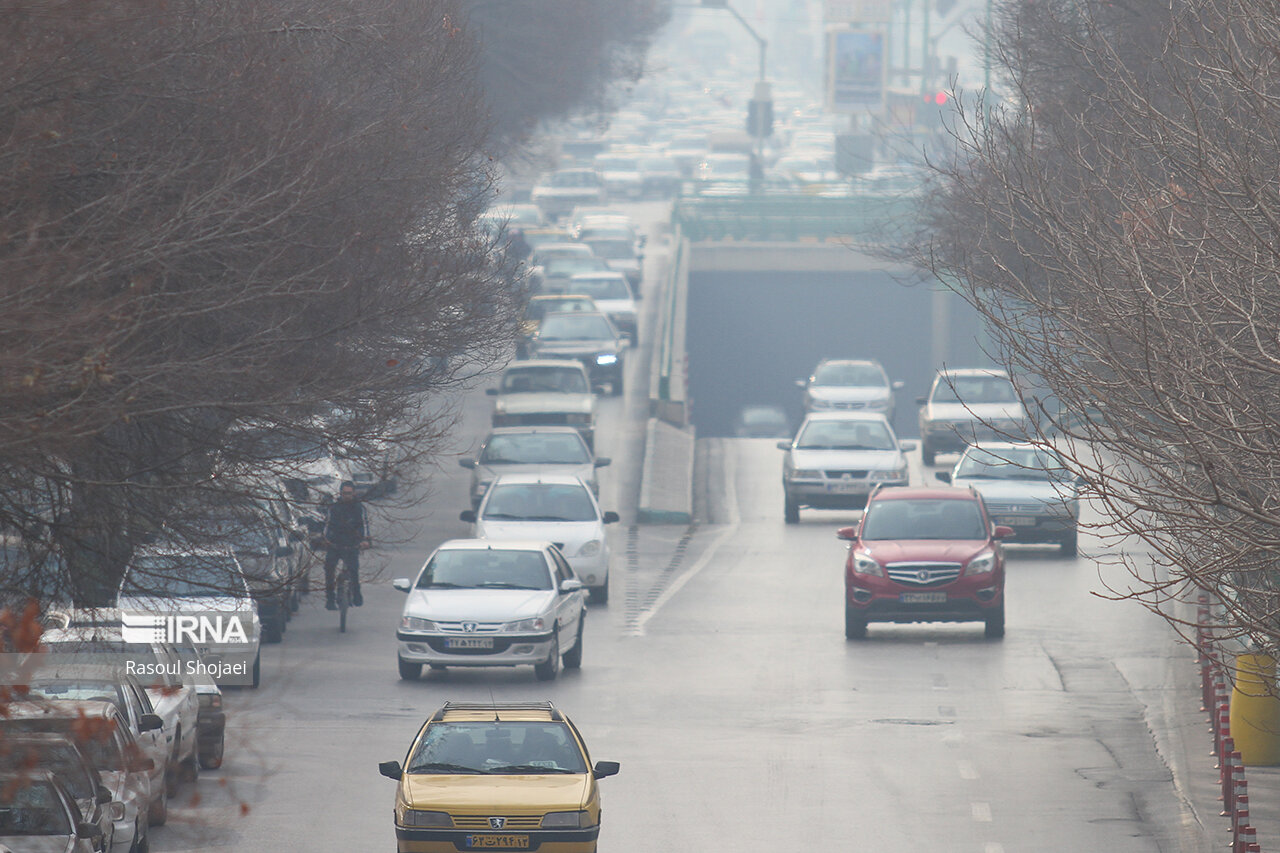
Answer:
(559, 508)
(482, 603)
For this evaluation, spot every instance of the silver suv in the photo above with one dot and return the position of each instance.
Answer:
(966, 406)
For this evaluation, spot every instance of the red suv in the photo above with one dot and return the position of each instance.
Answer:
(924, 555)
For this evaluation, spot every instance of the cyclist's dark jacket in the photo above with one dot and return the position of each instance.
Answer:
(347, 524)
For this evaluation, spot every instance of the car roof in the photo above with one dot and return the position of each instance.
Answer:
(561, 297)
(973, 371)
(594, 274)
(60, 709)
(902, 493)
(846, 415)
(1006, 445)
(498, 712)
(867, 361)
(547, 362)
(536, 477)
(578, 314)
(538, 430)
(494, 545)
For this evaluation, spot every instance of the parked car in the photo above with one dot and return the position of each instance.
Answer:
(545, 392)
(270, 557)
(211, 721)
(62, 758)
(590, 339)
(762, 421)
(837, 458)
(525, 761)
(199, 582)
(102, 731)
(967, 405)
(1025, 487)
(611, 293)
(849, 384)
(39, 815)
(563, 190)
(492, 603)
(556, 507)
(924, 555)
(548, 450)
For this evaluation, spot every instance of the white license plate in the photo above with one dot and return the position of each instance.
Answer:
(845, 488)
(1016, 520)
(469, 643)
(923, 598)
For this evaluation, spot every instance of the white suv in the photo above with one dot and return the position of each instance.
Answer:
(966, 406)
(555, 507)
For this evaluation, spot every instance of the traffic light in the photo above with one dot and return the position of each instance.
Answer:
(759, 118)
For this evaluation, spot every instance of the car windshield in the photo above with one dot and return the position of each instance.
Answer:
(1012, 463)
(576, 178)
(59, 757)
(539, 502)
(572, 264)
(535, 448)
(33, 808)
(535, 380)
(99, 743)
(974, 389)
(923, 519)
(764, 415)
(183, 576)
(539, 308)
(516, 748)
(487, 568)
(844, 435)
(613, 250)
(571, 327)
(843, 373)
(602, 287)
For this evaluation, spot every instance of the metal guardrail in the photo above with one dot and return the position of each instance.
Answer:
(791, 217)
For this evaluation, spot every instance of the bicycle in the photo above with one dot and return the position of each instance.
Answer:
(342, 596)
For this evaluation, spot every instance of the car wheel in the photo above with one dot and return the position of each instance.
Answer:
(257, 669)
(158, 811)
(791, 512)
(615, 387)
(927, 453)
(995, 624)
(550, 668)
(409, 671)
(573, 657)
(190, 771)
(141, 844)
(212, 759)
(273, 629)
(600, 594)
(855, 627)
(1069, 544)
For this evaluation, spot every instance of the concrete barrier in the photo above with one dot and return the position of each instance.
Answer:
(666, 478)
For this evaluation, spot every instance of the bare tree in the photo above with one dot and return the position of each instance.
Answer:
(1115, 216)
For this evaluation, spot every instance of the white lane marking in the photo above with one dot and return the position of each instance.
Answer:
(982, 812)
(967, 770)
(731, 509)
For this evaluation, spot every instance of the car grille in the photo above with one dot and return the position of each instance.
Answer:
(480, 628)
(923, 574)
(849, 404)
(482, 822)
(840, 475)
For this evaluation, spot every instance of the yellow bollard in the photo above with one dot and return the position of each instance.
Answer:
(1255, 711)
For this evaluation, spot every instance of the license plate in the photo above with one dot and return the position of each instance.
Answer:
(469, 643)
(498, 842)
(923, 598)
(845, 488)
(1016, 520)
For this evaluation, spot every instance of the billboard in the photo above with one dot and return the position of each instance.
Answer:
(855, 70)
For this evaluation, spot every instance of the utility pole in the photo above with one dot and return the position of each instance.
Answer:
(760, 113)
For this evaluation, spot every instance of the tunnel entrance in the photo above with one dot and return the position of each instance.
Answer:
(760, 317)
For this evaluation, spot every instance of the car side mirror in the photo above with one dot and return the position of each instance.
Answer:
(88, 830)
(610, 517)
(603, 461)
(1003, 532)
(103, 796)
(492, 392)
(467, 462)
(467, 515)
(920, 401)
(906, 446)
(402, 584)
(897, 385)
(605, 768)
(115, 811)
(391, 769)
(944, 476)
(570, 585)
(150, 723)
(849, 534)
(784, 445)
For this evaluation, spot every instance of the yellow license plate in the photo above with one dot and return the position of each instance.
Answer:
(498, 842)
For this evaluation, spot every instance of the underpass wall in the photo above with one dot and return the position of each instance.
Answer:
(760, 315)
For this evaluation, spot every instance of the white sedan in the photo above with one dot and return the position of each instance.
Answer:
(481, 603)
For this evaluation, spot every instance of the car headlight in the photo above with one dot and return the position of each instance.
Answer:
(417, 817)
(864, 565)
(606, 358)
(815, 403)
(210, 701)
(892, 474)
(567, 820)
(413, 623)
(981, 564)
(590, 549)
(878, 405)
(581, 418)
(806, 474)
(526, 625)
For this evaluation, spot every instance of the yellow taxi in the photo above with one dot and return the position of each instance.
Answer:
(497, 776)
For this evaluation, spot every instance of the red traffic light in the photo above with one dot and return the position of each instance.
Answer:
(940, 98)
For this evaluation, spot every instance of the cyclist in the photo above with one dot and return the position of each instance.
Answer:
(346, 534)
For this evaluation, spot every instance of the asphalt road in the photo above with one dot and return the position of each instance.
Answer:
(719, 677)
